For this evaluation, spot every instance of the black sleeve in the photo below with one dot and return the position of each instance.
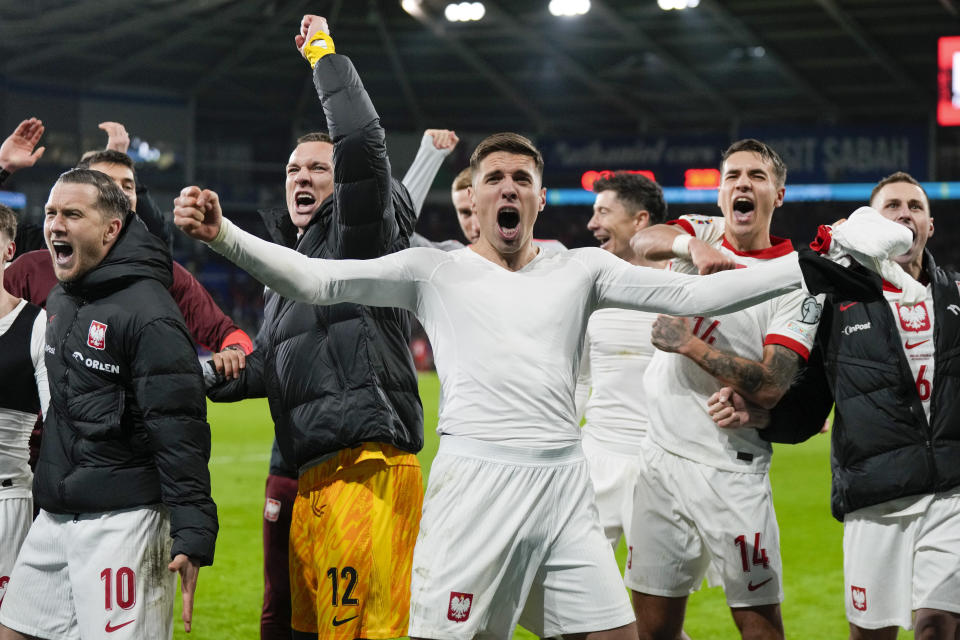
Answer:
(29, 238)
(250, 384)
(362, 197)
(168, 388)
(801, 412)
(148, 211)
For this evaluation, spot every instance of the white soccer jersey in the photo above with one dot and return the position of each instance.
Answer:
(15, 426)
(916, 334)
(678, 388)
(616, 352)
(506, 343)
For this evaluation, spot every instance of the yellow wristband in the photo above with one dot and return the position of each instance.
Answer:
(319, 46)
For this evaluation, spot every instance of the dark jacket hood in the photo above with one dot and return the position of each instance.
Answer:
(136, 254)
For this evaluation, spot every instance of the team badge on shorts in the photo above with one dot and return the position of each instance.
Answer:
(271, 511)
(97, 335)
(859, 597)
(459, 609)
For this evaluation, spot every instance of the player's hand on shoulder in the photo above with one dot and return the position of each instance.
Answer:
(707, 259)
(20, 150)
(729, 410)
(117, 137)
(671, 333)
(443, 139)
(229, 363)
(197, 212)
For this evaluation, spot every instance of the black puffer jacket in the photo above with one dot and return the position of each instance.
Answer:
(127, 420)
(883, 447)
(340, 375)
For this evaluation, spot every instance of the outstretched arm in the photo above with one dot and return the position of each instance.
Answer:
(389, 281)
(620, 284)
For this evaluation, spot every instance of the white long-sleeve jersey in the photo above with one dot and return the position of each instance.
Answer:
(507, 344)
(610, 390)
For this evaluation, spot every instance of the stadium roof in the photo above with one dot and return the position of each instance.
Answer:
(624, 67)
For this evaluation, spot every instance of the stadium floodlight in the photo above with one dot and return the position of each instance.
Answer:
(464, 11)
(411, 6)
(679, 5)
(569, 7)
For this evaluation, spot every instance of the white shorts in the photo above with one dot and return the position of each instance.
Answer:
(689, 518)
(896, 564)
(510, 535)
(16, 514)
(93, 576)
(614, 476)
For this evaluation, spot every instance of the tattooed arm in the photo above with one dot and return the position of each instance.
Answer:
(762, 383)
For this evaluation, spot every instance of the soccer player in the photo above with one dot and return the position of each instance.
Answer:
(895, 441)
(23, 395)
(507, 347)
(434, 147)
(616, 351)
(122, 480)
(340, 381)
(704, 500)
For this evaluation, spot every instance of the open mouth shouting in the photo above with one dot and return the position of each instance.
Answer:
(508, 223)
(304, 202)
(62, 253)
(743, 208)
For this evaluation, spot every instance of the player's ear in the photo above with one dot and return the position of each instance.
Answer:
(641, 220)
(543, 198)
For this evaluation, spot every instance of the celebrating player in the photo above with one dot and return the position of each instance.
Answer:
(122, 480)
(341, 385)
(507, 348)
(705, 498)
(616, 351)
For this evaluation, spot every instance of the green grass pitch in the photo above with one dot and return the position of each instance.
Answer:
(229, 593)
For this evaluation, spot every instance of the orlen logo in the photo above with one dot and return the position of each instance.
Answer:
(90, 363)
(853, 328)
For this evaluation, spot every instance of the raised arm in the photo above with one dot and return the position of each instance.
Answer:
(364, 207)
(20, 149)
(435, 146)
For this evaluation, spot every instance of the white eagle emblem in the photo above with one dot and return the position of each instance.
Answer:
(97, 335)
(859, 597)
(459, 606)
(914, 318)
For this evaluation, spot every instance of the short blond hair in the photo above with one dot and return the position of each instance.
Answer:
(463, 180)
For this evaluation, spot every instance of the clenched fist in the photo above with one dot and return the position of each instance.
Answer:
(197, 212)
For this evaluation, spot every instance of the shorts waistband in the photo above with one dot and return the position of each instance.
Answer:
(327, 466)
(482, 449)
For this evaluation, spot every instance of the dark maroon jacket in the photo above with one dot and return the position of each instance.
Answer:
(31, 276)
